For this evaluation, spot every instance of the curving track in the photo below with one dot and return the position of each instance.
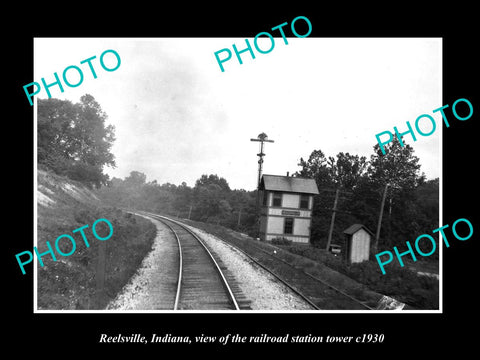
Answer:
(319, 294)
(205, 284)
(202, 280)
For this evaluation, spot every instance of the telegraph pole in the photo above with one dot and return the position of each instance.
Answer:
(239, 217)
(100, 276)
(379, 225)
(332, 222)
(262, 138)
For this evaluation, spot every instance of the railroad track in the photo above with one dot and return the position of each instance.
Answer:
(203, 283)
(319, 294)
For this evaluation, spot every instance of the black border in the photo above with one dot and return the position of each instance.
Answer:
(406, 334)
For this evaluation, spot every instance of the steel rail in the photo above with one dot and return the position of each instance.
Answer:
(217, 267)
(180, 270)
(283, 281)
(316, 278)
(286, 283)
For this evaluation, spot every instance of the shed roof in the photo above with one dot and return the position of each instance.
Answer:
(355, 227)
(288, 184)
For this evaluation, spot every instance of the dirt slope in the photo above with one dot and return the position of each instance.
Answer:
(70, 282)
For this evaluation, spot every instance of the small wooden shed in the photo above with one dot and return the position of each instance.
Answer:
(357, 243)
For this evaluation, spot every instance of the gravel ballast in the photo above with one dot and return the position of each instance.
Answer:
(151, 288)
(263, 290)
(159, 269)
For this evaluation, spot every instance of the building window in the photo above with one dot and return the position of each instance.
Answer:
(277, 199)
(304, 200)
(288, 226)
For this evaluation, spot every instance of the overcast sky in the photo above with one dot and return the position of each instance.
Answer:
(177, 116)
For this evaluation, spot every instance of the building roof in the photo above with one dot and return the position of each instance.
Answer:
(355, 227)
(288, 184)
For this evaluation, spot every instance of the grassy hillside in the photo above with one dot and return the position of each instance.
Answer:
(71, 282)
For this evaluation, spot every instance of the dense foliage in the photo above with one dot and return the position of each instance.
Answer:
(411, 202)
(210, 200)
(73, 139)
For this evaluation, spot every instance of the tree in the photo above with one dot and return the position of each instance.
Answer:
(400, 169)
(53, 129)
(319, 168)
(183, 199)
(427, 207)
(347, 170)
(135, 179)
(73, 139)
(316, 167)
(210, 203)
(212, 179)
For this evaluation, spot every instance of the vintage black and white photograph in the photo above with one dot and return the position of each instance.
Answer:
(270, 174)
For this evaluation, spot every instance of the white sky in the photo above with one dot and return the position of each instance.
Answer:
(177, 116)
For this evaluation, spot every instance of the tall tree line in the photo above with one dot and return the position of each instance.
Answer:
(411, 205)
(210, 200)
(411, 202)
(74, 140)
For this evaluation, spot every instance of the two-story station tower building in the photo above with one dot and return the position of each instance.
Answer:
(286, 210)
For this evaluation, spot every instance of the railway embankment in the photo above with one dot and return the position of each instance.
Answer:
(152, 286)
(405, 289)
(71, 282)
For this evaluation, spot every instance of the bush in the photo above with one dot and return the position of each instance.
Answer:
(88, 174)
(69, 282)
(399, 282)
(281, 241)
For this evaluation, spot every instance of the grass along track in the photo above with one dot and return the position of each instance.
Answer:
(315, 291)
